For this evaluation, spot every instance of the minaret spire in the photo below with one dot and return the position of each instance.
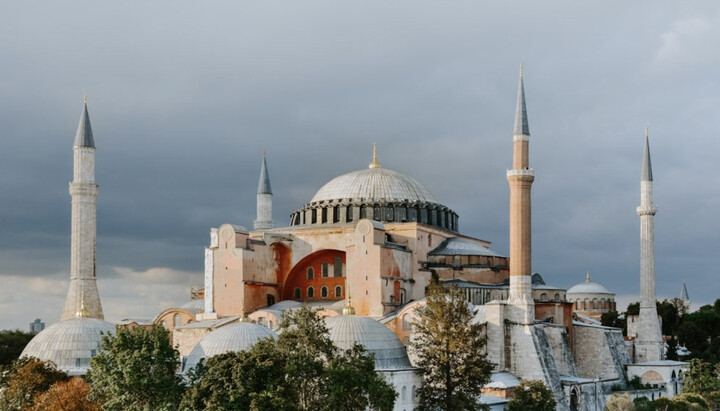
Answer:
(648, 344)
(264, 198)
(520, 179)
(83, 290)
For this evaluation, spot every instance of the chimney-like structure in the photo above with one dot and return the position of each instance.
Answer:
(264, 200)
(648, 343)
(83, 299)
(520, 178)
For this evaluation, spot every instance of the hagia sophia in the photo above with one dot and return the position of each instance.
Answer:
(363, 251)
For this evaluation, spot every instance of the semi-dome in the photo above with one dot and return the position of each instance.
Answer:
(375, 193)
(234, 337)
(588, 287)
(346, 330)
(197, 304)
(70, 344)
(374, 184)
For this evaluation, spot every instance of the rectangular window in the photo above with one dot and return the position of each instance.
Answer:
(337, 267)
(325, 269)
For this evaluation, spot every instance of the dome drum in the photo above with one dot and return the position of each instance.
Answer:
(386, 211)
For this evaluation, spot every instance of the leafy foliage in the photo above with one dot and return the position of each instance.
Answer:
(620, 402)
(69, 395)
(643, 404)
(301, 370)
(24, 379)
(12, 343)
(451, 351)
(701, 378)
(532, 395)
(136, 371)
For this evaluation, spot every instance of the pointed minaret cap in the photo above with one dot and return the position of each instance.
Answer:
(375, 163)
(521, 119)
(646, 165)
(264, 181)
(587, 277)
(684, 293)
(348, 309)
(84, 135)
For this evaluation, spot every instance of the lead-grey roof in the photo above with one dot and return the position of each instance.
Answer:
(389, 351)
(84, 135)
(70, 344)
(264, 180)
(647, 164)
(230, 338)
(462, 246)
(521, 120)
(374, 184)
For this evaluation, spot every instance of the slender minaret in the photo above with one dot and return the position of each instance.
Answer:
(520, 179)
(83, 294)
(648, 343)
(264, 199)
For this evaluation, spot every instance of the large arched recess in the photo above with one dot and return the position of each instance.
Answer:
(319, 263)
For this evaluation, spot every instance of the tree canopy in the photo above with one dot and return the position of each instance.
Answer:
(24, 379)
(450, 351)
(532, 395)
(12, 343)
(136, 371)
(301, 370)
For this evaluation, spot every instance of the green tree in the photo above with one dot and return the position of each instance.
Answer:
(620, 402)
(12, 343)
(136, 371)
(532, 395)
(450, 351)
(612, 319)
(670, 317)
(25, 379)
(643, 404)
(301, 370)
(701, 378)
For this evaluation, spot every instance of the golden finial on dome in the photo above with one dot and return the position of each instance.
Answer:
(587, 277)
(81, 313)
(374, 163)
(348, 309)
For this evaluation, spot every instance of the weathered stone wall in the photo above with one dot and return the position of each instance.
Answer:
(596, 353)
(564, 359)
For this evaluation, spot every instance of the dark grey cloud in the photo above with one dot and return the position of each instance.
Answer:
(184, 97)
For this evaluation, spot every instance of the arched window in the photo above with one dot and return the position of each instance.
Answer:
(414, 392)
(297, 293)
(311, 292)
(310, 273)
(338, 291)
(543, 297)
(324, 292)
(403, 394)
(594, 303)
(176, 320)
(557, 297)
(406, 322)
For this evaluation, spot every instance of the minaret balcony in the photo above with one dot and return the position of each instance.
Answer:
(523, 172)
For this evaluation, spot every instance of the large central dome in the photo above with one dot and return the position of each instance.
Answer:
(374, 184)
(378, 194)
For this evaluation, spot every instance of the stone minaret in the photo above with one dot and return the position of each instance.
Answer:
(648, 343)
(83, 298)
(520, 179)
(264, 199)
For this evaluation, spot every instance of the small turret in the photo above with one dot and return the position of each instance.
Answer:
(264, 199)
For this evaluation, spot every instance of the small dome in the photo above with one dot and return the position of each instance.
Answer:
(346, 330)
(70, 344)
(285, 305)
(234, 337)
(374, 184)
(194, 305)
(588, 287)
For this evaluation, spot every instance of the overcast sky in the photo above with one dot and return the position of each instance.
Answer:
(184, 96)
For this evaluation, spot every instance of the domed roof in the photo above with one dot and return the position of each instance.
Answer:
(588, 287)
(285, 305)
(234, 337)
(70, 344)
(346, 330)
(374, 184)
(198, 304)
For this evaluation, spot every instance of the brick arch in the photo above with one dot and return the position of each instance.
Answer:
(651, 376)
(297, 277)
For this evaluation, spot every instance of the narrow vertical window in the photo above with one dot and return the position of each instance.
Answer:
(337, 266)
(297, 293)
(325, 270)
(311, 292)
(338, 291)
(310, 273)
(324, 292)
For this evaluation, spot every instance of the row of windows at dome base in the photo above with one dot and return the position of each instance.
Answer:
(310, 293)
(337, 269)
(595, 304)
(431, 214)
